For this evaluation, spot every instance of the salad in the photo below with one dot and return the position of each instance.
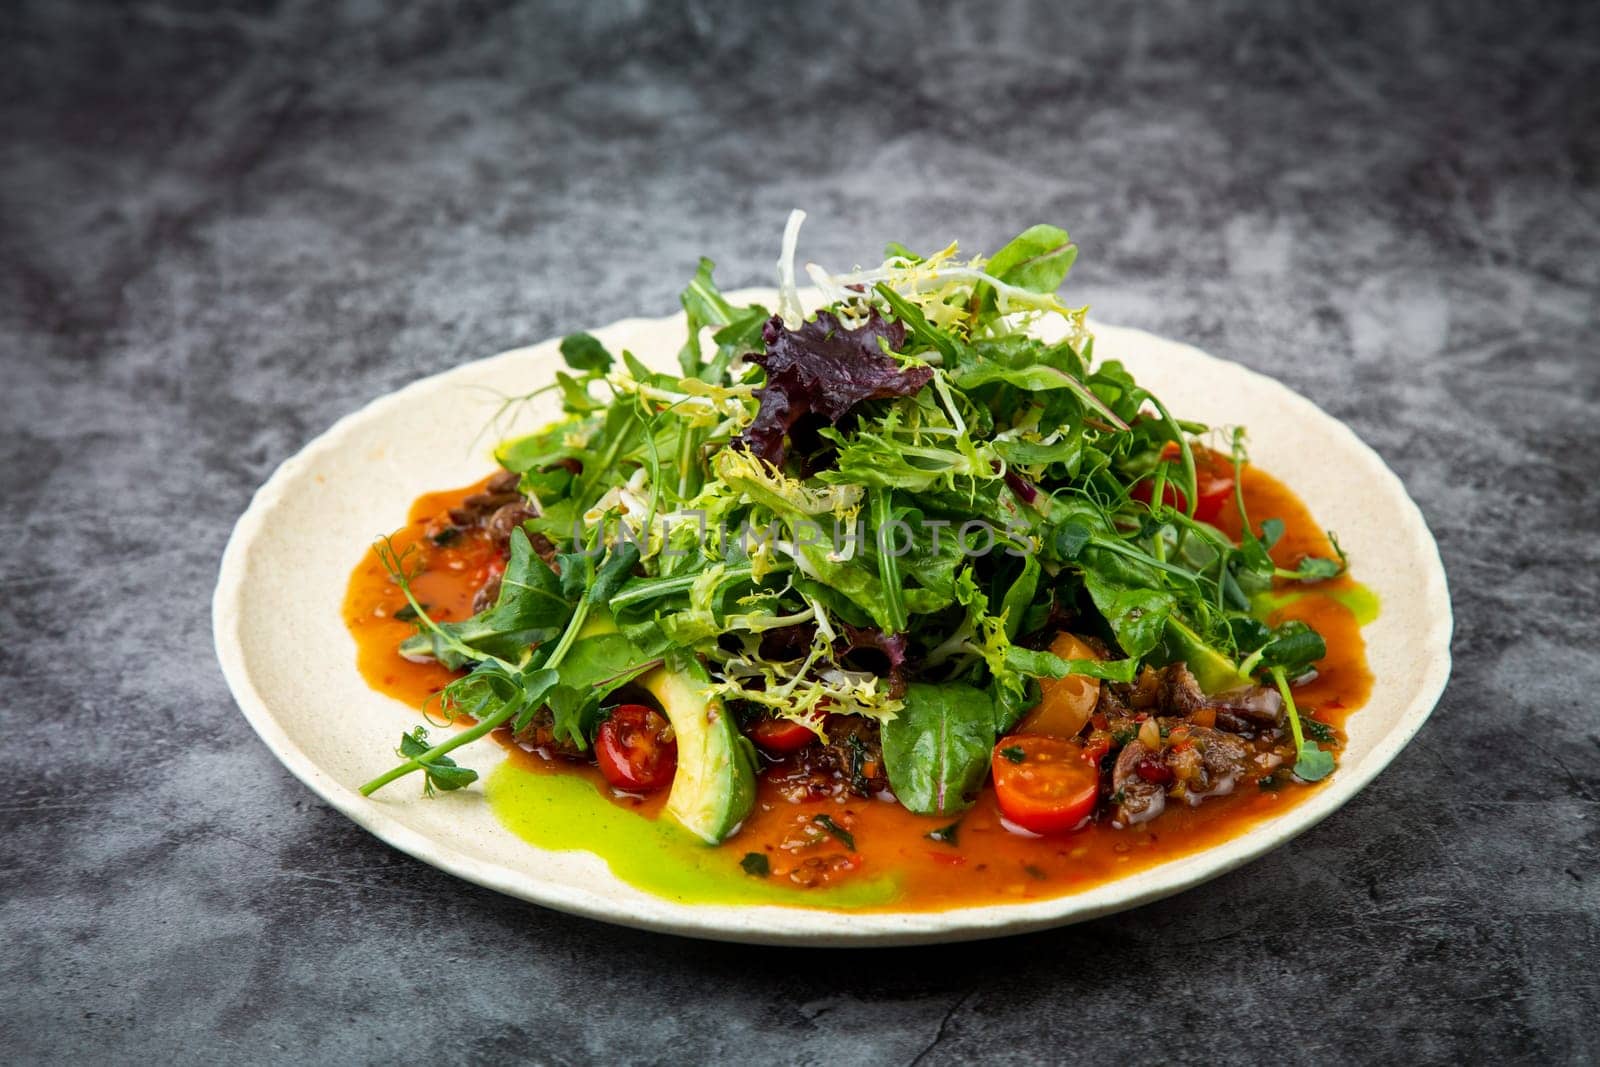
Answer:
(911, 545)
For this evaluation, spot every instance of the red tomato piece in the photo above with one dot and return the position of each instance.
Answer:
(1154, 771)
(636, 750)
(1213, 475)
(1171, 495)
(781, 736)
(1215, 491)
(1044, 784)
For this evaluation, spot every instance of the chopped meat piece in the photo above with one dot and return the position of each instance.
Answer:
(488, 502)
(855, 745)
(1248, 709)
(1112, 703)
(1180, 693)
(1172, 690)
(544, 549)
(499, 492)
(507, 518)
(485, 597)
(1147, 692)
(1209, 763)
(504, 482)
(851, 762)
(1137, 799)
(539, 736)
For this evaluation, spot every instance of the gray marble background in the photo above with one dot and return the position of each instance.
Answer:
(221, 230)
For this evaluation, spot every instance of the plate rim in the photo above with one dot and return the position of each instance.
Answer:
(774, 924)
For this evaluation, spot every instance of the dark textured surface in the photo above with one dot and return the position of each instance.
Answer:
(219, 232)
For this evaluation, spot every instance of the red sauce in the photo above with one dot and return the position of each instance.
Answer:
(988, 864)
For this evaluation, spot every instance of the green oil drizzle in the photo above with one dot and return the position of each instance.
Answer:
(1358, 599)
(565, 812)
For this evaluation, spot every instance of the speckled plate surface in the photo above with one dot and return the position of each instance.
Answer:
(286, 654)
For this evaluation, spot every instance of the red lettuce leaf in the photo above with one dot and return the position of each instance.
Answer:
(820, 372)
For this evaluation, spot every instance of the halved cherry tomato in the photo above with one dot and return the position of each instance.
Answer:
(1215, 488)
(781, 736)
(1044, 784)
(636, 750)
(1213, 475)
(1065, 704)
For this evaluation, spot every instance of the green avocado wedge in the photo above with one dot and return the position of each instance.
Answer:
(715, 786)
(1215, 672)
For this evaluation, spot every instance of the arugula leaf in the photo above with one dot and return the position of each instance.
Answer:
(894, 605)
(572, 712)
(611, 575)
(736, 330)
(548, 447)
(1316, 569)
(1248, 632)
(917, 325)
(1023, 453)
(894, 250)
(1037, 379)
(936, 750)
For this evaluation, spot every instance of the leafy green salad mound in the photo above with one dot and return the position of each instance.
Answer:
(883, 508)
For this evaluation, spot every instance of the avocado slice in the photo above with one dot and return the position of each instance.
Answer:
(1215, 672)
(715, 786)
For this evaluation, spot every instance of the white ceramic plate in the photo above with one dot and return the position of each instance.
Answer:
(291, 664)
